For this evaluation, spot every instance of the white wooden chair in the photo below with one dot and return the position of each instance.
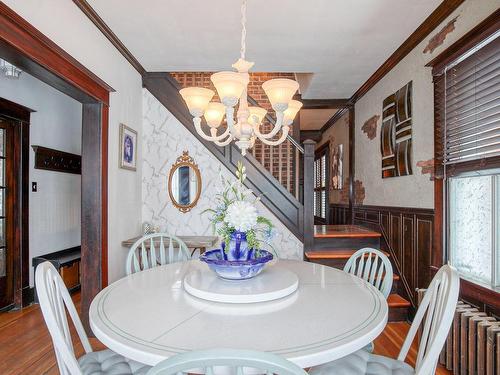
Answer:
(54, 302)
(435, 313)
(226, 361)
(152, 251)
(373, 266)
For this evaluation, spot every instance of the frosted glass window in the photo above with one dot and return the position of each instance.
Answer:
(471, 226)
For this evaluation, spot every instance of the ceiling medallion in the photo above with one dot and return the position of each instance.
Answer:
(232, 89)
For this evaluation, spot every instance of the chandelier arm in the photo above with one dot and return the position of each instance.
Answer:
(274, 131)
(199, 130)
(213, 133)
(284, 134)
(226, 142)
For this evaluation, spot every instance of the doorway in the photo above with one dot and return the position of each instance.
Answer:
(24, 46)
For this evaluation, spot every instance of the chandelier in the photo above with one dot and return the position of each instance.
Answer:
(9, 70)
(232, 90)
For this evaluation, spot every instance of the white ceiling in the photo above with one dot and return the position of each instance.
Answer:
(341, 42)
(314, 119)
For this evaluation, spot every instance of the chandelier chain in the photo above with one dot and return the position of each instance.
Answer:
(243, 28)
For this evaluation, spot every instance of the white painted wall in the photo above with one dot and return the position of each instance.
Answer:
(415, 190)
(67, 26)
(54, 222)
(164, 140)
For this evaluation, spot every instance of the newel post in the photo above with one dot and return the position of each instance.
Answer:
(309, 147)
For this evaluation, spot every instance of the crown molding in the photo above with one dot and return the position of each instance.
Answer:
(444, 9)
(92, 15)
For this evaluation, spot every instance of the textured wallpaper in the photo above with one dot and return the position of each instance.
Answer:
(164, 139)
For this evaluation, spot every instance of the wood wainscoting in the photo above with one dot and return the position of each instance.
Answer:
(407, 234)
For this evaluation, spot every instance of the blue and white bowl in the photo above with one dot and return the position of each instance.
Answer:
(236, 269)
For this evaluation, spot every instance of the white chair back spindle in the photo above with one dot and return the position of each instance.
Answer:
(436, 312)
(226, 359)
(54, 301)
(163, 249)
(373, 266)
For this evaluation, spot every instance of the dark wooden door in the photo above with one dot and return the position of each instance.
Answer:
(8, 195)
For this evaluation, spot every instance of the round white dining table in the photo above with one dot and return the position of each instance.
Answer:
(148, 316)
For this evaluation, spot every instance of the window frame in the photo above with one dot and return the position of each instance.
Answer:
(323, 151)
(482, 296)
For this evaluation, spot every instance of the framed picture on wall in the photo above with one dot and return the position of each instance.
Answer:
(128, 148)
(337, 163)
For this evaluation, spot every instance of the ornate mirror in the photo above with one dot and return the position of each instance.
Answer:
(184, 183)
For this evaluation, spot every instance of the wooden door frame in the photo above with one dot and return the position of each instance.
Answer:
(26, 47)
(20, 242)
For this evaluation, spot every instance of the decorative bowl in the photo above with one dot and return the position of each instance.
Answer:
(236, 269)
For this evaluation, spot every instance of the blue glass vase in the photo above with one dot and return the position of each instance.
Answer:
(238, 247)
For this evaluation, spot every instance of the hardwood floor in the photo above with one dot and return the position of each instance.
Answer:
(26, 347)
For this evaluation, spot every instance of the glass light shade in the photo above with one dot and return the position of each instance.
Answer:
(293, 108)
(229, 85)
(280, 91)
(197, 99)
(256, 112)
(214, 113)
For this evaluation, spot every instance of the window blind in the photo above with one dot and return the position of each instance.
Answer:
(320, 186)
(472, 104)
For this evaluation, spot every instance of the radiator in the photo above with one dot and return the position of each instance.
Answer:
(473, 343)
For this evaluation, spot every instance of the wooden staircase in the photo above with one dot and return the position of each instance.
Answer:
(334, 244)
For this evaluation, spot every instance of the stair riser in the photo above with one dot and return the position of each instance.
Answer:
(346, 243)
(398, 314)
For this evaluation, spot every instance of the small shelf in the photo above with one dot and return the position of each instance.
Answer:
(57, 161)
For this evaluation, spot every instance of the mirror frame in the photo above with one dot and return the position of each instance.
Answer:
(184, 160)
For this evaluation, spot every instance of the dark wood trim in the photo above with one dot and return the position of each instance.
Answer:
(104, 193)
(92, 245)
(92, 15)
(336, 116)
(324, 103)
(18, 205)
(56, 160)
(23, 283)
(15, 111)
(402, 210)
(314, 135)
(408, 235)
(33, 52)
(487, 27)
(352, 142)
(485, 298)
(457, 169)
(430, 24)
(321, 149)
(23, 45)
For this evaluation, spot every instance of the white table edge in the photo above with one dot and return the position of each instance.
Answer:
(309, 360)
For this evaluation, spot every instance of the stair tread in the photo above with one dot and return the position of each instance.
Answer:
(344, 231)
(332, 254)
(395, 300)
